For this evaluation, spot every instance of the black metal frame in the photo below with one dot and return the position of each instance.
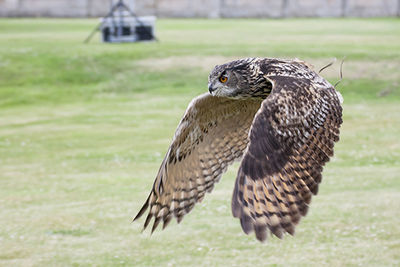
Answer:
(120, 6)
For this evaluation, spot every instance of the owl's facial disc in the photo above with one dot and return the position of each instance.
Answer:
(223, 82)
(231, 79)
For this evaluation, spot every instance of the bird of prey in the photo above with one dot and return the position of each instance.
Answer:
(279, 117)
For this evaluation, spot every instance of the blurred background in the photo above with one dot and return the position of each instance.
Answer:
(85, 126)
(206, 8)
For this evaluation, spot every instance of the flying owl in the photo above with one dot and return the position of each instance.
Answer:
(279, 117)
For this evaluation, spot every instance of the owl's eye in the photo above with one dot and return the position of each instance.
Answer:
(223, 79)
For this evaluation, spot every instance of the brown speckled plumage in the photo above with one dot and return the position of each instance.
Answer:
(280, 117)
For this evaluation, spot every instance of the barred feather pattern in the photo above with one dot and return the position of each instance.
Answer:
(211, 135)
(292, 137)
(285, 141)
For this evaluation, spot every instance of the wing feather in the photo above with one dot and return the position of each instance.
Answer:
(211, 135)
(291, 139)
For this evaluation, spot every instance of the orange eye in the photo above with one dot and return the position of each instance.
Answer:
(223, 79)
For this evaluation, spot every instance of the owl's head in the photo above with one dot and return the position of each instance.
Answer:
(237, 79)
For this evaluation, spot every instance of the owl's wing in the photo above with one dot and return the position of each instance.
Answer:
(211, 135)
(291, 139)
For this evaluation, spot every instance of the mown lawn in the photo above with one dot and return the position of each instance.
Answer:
(84, 127)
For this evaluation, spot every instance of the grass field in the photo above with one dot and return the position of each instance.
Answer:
(84, 127)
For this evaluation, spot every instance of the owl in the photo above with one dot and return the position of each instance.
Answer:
(279, 118)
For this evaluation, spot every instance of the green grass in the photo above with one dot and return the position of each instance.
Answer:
(84, 127)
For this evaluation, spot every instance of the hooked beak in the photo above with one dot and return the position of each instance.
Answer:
(210, 88)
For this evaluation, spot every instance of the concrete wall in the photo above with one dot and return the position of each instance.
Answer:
(309, 8)
(205, 8)
(372, 8)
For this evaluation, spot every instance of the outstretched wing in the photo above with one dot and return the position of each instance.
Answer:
(211, 135)
(291, 139)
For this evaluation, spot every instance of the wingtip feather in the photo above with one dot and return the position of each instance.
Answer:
(155, 224)
(146, 223)
(247, 224)
(142, 210)
(261, 232)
